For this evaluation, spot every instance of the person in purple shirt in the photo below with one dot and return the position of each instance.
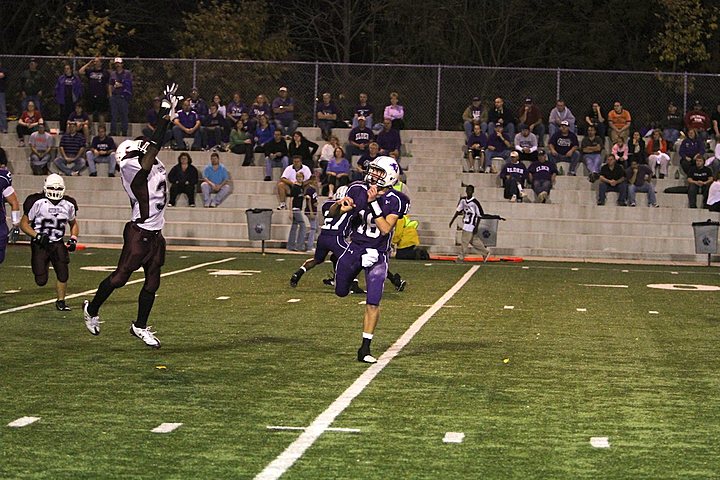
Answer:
(690, 146)
(359, 138)
(187, 124)
(338, 171)
(389, 140)
(96, 99)
(513, 175)
(259, 108)
(198, 104)
(120, 90)
(102, 151)
(326, 114)
(541, 175)
(283, 108)
(68, 91)
(363, 109)
(375, 208)
(564, 146)
(476, 144)
(498, 145)
(235, 108)
(151, 117)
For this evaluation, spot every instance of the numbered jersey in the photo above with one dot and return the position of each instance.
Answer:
(335, 227)
(147, 192)
(364, 232)
(472, 213)
(48, 216)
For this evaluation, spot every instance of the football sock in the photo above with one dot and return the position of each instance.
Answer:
(104, 290)
(300, 272)
(145, 304)
(367, 338)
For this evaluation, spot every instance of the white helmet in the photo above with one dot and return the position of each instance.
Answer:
(54, 187)
(341, 192)
(383, 172)
(128, 146)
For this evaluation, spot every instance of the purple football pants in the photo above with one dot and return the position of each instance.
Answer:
(349, 266)
(329, 244)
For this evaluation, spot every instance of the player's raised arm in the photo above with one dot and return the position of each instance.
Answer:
(168, 112)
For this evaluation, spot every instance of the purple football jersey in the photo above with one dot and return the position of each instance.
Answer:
(334, 227)
(365, 233)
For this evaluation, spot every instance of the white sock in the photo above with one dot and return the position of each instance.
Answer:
(369, 336)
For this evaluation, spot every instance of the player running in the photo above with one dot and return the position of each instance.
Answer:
(375, 207)
(8, 193)
(143, 178)
(45, 216)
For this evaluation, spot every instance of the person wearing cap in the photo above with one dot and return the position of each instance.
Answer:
(120, 89)
(475, 147)
(359, 138)
(363, 109)
(699, 120)
(561, 113)
(530, 115)
(68, 91)
(619, 121)
(152, 117)
(499, 145)
(41, 145)
(475, 113)
(283, 107)
(31, 86)
(526, 144)
(591, 148)
(672, 124)
(563, 146)
(595, 118)
(513, 176)
(501, 114)
(542, 175)
(96, 100)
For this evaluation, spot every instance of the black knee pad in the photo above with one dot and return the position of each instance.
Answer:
(41, 280)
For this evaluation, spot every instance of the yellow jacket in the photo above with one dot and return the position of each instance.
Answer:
(406, 234)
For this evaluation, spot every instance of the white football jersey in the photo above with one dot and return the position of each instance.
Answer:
(50, 217)
(472, 213)
(147, 192)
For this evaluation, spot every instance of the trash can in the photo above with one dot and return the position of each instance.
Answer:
(706, 237)
(487, 231)
(259, 221)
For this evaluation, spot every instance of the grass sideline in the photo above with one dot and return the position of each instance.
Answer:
(233, 367)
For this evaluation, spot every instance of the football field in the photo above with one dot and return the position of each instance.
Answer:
(530, 370)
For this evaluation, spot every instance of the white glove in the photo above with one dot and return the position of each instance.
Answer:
(171, 100)
(370, 257)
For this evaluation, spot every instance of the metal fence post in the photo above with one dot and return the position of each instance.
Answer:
(194, 80)
(315, 101)
(437, 100)
(685, 91)
(557, 84)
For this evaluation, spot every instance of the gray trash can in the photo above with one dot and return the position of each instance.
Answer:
(487, 231)
(706, 237)
(259, 221)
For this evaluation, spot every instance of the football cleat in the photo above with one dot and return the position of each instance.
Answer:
(330, 282)
(365, 357)
(294, 280)
(356, 288)
(91, 323)
(400, 286)
(146, 335)
(61, 306)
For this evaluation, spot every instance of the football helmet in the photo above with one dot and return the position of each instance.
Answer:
(131, 148)
(383, 172)
(54, 187)
(341, 192)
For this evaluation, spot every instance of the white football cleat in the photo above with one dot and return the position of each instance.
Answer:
(146, 335)
(91, 323)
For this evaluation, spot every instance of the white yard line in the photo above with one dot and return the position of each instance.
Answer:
(23, 422)
(292, 453)
(454, 437)
(90, 292)
(343, 430)
(165, 427)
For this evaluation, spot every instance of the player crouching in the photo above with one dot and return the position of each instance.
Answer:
(45, 216)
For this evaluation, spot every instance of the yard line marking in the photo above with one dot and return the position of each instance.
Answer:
(453, 437)
(574, 269)
(526, 268)
(279, 259)
(599, 442)
(11, 291)
(362, 302)
(293, 300)
(183, 256)
(581, 309)
(90, 292)
(673, 273)
(23, 422)
(509, 307)
(223, 298)
(295, 450)
(428, 264)
(602, 286)
(165, 427)
(331, 429)
(653, 312)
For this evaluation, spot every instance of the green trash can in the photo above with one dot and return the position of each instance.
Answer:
(259, 221)
(706, 237)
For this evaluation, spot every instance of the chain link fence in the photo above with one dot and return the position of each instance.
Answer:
(434, 97)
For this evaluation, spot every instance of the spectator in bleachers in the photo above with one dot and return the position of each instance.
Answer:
(619, 121)
(327, 152)
(306, 149)
(612, 179)
(326, 114)
(213, 129)
(41, 145)
(81, 121)
(638, 179)
(395, 112)
(361, 168)
(531, 116)
(563, 146)
(283, 107)
(595, 118)
(389, 140)
(68, 91)
(526, 144)
(689, 148)
(500, 114)
(338, 171)
(296, 238)
(70, 159)
(591, 148)
(235, 108)
(620, 151)
(697, 119)
(183, 178)
(120, 91)
(713, 201)
(260, 107)
(187, 125)
(513, 176)
(499, 145)
(151, 116)
(32, 83)
(715, 123)
(28, 122)
(363, 109)
(636, 149)
(221, 108)
(658, 158)
(198, 104)
(263, 133)
(672, 124)
(102, 150)
(561, 113)
(96, 99)
(359, 138)
(475, 146)
(311, 208)
(474, 113)
(216, 181)
(276, 154)
(289, 178)
(241, 143)
(3, 100)
(542, 175)
(699, 179)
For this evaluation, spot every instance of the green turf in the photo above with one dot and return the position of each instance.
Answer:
(648, 382)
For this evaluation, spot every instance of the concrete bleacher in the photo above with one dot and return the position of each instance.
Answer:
(571, 226)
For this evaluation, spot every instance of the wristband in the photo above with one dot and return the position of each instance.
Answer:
(73, 237)
(375, 209)
(15, 216)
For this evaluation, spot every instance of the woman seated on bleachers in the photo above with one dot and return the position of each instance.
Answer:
(338, 171)
(28, 123)
(241, 142)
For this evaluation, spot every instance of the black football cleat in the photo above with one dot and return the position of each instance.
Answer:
(365, 357)
(330, 282)
(61, 306)
(400, 286)
(357, 289)
(294, 280)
